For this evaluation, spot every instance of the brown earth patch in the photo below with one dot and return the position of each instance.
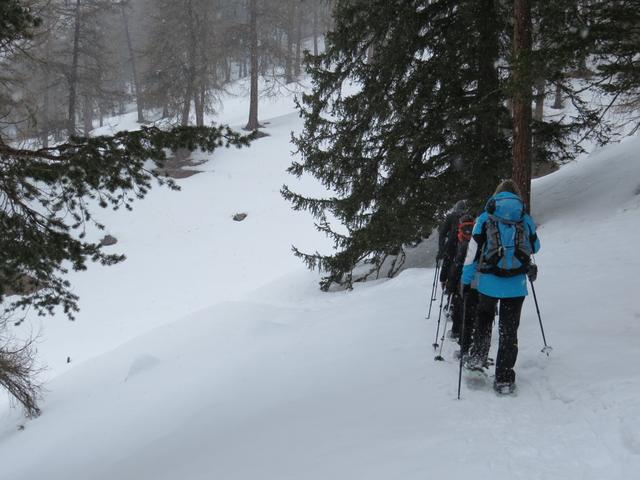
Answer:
(23, 285)
(177, 166)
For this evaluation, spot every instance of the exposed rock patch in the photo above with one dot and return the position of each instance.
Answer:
(108, 240)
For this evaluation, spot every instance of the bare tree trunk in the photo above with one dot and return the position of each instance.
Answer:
(199, 100)
(132, 60)
(557, 102)
(46, 127)
(522, 99)
(253, 123)
(538, 113)
(315, 28)
(186, 106)
(191, 67)
(288, 69)
(45, 116)
(298, 62)
(73, 75)
(227, 71)
(87, 115)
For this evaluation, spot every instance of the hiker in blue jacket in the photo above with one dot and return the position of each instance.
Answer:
(498, 259)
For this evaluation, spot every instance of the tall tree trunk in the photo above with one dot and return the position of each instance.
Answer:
(132, 60)
(288, 68)
(202, 67)
(46, 122)
(87, 115)
(45, 116)
(73, 75)
(199, 100)
(191, 66)
(538, 113)
(253, 124)
(298, 61)
(522, 98)
(315, 28)
(557, 102)
(186, 106)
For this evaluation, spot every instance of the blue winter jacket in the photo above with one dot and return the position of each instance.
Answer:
(510, 207)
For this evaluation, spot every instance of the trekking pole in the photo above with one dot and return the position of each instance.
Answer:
(462, 342)
(439, 357)
(547, 349)
(435, 342)
(434, 287)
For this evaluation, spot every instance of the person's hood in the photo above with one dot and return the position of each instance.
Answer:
(461, 206)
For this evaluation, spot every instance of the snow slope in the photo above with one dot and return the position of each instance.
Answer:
(237, 367)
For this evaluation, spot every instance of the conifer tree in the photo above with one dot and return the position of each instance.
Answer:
(49, 195)
(408, 114)
(614, 29)
(405, 113)
(47, 198)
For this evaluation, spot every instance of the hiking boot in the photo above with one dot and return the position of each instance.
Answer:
(504, 388)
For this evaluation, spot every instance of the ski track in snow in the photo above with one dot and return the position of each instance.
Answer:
(265, 377)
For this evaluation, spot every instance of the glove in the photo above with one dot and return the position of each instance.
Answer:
(464, 289)
(532, 272)
(439, 256)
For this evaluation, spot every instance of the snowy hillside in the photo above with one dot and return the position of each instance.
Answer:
(210, 353)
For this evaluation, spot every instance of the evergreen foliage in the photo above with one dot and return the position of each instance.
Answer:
(410, 111)
(48, 196)
(562, 44)
(426, 116)
(16, 20)
(615, 32)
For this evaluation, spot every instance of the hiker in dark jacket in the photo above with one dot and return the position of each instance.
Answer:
(448, 239)
(504, 237)
(452, 284)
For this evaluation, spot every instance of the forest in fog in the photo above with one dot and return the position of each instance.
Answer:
(92, 59)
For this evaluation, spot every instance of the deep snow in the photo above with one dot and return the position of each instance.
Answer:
(210, 353)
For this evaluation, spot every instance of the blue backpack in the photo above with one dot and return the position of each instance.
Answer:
(507, 249)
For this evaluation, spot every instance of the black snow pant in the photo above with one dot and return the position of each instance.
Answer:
(470, 302)
(456, 312)
(445, 268)
(509, 320)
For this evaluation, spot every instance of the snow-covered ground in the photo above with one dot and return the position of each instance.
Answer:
(210, 353)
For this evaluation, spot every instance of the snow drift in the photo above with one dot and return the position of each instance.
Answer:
(263, 376)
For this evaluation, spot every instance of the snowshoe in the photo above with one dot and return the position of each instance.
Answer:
(504, 388)
(473, 364)
(475, 376)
